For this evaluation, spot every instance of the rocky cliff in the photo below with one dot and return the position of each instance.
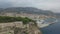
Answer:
(19, 28)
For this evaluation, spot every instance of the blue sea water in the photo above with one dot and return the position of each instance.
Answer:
(52, 29)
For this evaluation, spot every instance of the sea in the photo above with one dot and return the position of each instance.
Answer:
(52, 29)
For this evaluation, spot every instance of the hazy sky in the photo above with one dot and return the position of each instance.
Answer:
(53, 5)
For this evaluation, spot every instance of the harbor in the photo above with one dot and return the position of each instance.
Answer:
(45, 22)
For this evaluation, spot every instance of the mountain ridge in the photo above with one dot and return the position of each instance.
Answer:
(31, 10)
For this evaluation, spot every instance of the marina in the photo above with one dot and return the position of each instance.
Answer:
(46, 22)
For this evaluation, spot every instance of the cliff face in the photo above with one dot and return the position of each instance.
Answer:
(19, 28)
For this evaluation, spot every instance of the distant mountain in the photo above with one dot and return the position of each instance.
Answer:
(27, 10)
(57, 14)
(1, 9)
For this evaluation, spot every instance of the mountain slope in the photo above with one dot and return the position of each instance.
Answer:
(27, 10)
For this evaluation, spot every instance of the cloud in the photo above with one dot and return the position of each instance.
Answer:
(41, 4)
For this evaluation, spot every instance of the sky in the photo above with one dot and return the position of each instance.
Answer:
(53, 5)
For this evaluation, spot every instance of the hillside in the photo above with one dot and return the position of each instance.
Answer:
(27, 10)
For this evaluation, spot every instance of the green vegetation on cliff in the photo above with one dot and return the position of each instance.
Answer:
(6, 19)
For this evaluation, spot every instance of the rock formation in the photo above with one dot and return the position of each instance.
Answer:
(19, 28)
